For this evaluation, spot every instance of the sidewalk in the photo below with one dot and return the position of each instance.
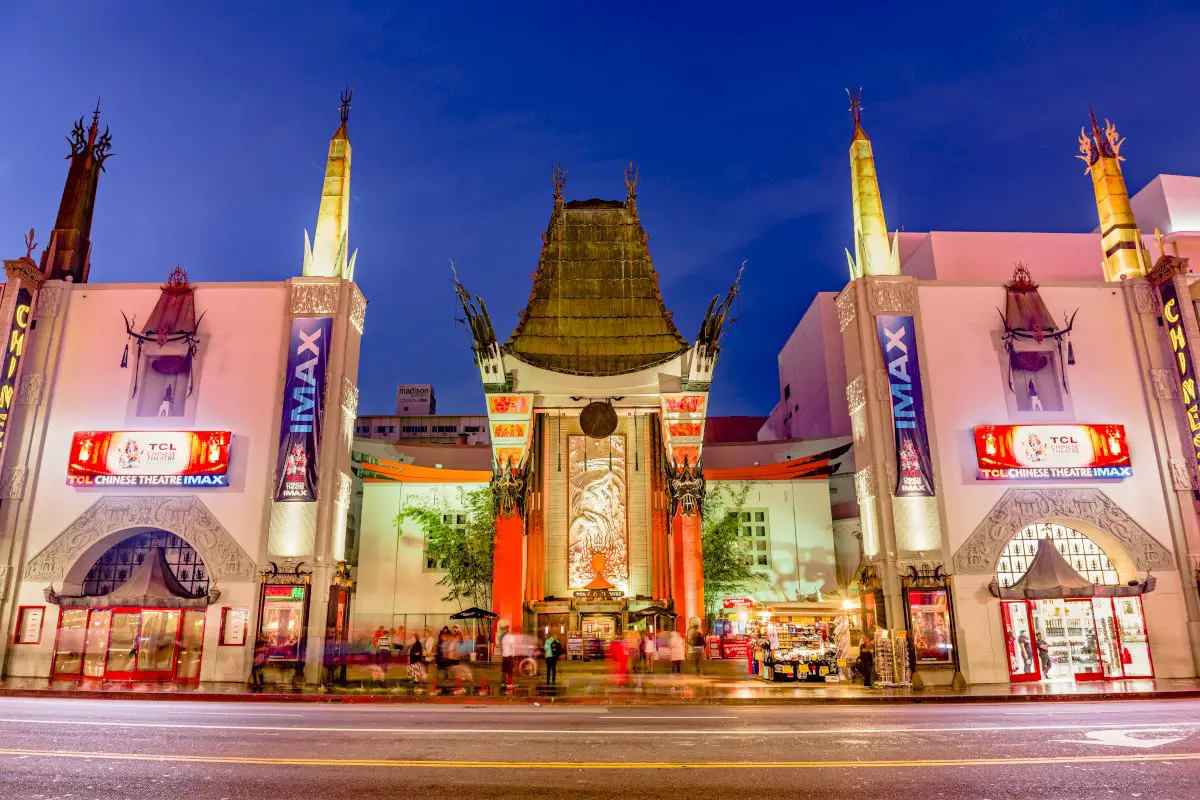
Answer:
(723, 683)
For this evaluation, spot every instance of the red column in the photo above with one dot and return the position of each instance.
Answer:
(678, 576)
(507, 578)
(687, 569)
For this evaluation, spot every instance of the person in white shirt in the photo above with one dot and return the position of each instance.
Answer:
(509, 646)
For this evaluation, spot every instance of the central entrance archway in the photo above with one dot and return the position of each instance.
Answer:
(140, 615)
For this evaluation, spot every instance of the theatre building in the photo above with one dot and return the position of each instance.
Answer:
(175, 455)
(1023, 410)
(597, 407)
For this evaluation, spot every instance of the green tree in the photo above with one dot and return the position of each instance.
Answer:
(727, 558)
(464, 552)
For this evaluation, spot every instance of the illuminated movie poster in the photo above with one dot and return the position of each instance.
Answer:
(149, 458)
(597, 548)
(898, 344)
(303, 410)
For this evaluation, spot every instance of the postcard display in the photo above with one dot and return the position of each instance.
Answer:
(891, 659)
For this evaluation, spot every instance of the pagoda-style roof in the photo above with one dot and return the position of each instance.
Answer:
(595, 308)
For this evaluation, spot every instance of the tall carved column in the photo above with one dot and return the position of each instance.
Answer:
(508, 496)
(686, 484)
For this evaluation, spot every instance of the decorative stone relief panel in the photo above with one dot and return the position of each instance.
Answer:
(883, 389)
(184, 515)
(858, 426)
(12, 483)
(892, 297)
(343, 489)
(856, 393)
(845, 307)
(1145, 299)
(49, 301)
(4, 573)
(864, 483)
(29, 389)
(890, 468)
(358, 308)
(1018, 508)
(1166, 385)
(1183, 474)
(349, 396)
(315, 298)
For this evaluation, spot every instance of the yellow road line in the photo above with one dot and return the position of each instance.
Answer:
(610, 765)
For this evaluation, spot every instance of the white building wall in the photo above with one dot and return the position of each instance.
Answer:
(236, 379)
(965, 385)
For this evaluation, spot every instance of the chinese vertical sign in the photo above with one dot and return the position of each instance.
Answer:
(13, 350)
(303, 410)
(1185, 363)
(898, 344)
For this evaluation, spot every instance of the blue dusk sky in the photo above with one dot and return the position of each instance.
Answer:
(736, 113)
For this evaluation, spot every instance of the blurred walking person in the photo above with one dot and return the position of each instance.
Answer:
(256, 666)
(649, 651)
(695, 645)
(428, 651)
(382, 642)
(552, 650)
(866, 662)
(416, 659)
(618, 661)
(677, 650)
(508, 657)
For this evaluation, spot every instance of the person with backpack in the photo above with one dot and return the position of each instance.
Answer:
(553, 650)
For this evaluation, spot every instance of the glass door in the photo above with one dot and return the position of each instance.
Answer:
(191, 645)
(1135, 644)
(95, 648)
(1082, 641)
(122, 645)
(68, 648)
(156, 649)
(1108, 640)
(1020, 642)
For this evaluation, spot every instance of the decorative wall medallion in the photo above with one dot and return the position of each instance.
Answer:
(12, 483)
(845, 307)
(1183, 474)
(315, 298)
(358, 308)
(1145, 299)
(29, 389)
(1166, 385)
(856, 393)
(1018, 508)
(184, 515)
(864, 483)
(49, 300)
(892, 296)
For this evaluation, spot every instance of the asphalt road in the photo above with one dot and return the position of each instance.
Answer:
(84, 749)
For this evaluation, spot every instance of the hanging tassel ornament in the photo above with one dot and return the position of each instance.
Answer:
(1070, 353)
(125, 357)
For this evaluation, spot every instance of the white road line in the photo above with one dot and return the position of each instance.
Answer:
(608, 731)
(613, 717)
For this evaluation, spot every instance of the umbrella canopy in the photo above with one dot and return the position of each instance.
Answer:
(474, 613)
(1050, 577)
(653, 611)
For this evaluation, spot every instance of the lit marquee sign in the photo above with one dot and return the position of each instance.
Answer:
(1185, 364)
(149, 458)
(1052, 452)
(13, 349)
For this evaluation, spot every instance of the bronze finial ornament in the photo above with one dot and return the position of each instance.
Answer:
(30, 245)
(559, 175)
(855, 105)
(344, 109)
(631, 180)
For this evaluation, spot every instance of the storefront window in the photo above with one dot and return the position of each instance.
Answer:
(929, 615)
(1084, 555)
(72, 627)
(1135, 647)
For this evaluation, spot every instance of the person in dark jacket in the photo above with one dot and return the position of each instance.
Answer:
(553, 651)
(866, 662)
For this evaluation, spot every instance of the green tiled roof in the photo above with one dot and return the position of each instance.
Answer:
(595, 308)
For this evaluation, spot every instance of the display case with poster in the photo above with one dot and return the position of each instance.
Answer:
(929, 621)
(283, 616)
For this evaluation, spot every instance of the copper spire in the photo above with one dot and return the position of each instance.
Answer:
(559, 176)
(68, 254)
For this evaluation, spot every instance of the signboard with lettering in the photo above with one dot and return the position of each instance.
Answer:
(1052, 452)
(1185, 364)
(898, 345)
(13, 349)
(149, 458)
(303, 410)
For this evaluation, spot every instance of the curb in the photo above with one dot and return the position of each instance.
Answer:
(617, 700)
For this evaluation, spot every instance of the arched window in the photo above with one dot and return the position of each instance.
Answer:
(114, 567)
(1084, 555)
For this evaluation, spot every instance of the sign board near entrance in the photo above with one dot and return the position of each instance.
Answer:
(1052, 452)
(149, 458)
(13, 349)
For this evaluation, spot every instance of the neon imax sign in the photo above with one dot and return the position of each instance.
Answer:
(14, 348)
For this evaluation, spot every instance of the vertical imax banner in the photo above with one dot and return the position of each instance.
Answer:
(13, 349)
(1185, 364)
(303, 410)
(898, 344)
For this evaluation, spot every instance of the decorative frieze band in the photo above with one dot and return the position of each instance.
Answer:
(1166, 385)
(892, 297)
(29, 389)
(315, 298)
(358, 308)
(1183, 474)
(856, 393)
(864, 483)
(845, 307)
